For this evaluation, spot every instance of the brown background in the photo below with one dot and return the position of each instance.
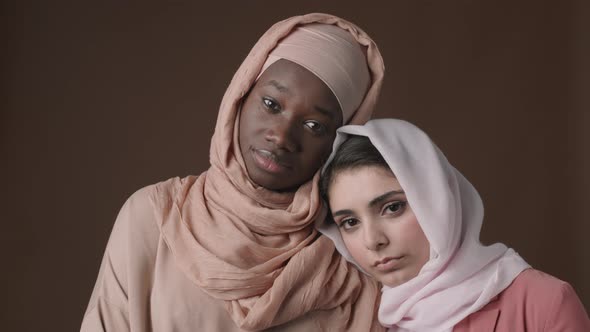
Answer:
(101, 99)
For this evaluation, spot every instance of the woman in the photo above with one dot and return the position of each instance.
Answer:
(414, 226)
(234, 249)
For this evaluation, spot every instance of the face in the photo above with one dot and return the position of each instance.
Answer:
(377, 224)
(288, 123)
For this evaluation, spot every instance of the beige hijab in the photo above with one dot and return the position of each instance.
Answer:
(257, 249)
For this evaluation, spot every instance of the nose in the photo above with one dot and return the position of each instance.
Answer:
(284, 134)
(375, 239)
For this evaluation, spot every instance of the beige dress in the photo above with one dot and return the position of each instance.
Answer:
(140, 287)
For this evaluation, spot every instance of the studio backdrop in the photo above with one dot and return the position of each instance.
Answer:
(99, 99)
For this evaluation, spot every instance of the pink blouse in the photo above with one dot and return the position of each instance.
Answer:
(535, 301)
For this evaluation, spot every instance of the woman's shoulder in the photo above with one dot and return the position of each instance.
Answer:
(532, 280)
(164, 189)
(536, 288)
(160, 193)
(541, 297)
(146, 206)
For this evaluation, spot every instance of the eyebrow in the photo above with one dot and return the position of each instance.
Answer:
(341, 212)
(277, 85)
(329, 113)
(379, 199)
(375, 201)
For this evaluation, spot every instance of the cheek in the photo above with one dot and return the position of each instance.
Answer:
(319, 150)
(356, 249)
(249, 121)
(320, 157)
(417, 241)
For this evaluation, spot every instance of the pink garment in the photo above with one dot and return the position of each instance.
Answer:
(535, 301)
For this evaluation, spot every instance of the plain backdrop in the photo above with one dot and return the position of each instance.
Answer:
(99, 99)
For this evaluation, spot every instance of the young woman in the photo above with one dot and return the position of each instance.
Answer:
(405, 216)
(235, 249)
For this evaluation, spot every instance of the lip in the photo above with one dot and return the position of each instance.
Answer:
(268, 161)
(387, 263)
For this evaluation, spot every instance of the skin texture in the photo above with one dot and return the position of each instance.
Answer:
(288, 123)
(377, 224)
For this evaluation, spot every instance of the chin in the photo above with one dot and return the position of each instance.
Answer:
(274, 183)
(390, 283)
(394, 281)
(267, 183)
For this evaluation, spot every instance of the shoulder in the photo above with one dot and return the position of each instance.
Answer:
(548, 300)
(141, 211)
(158, 194)
(535, 287)
(535, 281)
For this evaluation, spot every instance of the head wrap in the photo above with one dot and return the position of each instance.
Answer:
(256, 249)
(462, 275)
(333, 55)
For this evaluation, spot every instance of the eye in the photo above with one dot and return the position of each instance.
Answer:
(315, 127)
(348, 224)
(271, 104)
(395, 208)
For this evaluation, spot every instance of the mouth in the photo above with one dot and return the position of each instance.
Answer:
(268, 161)
(387, 263)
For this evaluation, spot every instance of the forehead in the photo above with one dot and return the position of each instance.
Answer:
(289, 77)
(285, 69)
(372, 181)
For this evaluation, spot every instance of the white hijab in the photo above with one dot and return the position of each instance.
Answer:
(462, 275)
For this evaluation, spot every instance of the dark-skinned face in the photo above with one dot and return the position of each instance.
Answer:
(288, 123)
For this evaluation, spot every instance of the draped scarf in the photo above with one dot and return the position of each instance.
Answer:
(253, 248)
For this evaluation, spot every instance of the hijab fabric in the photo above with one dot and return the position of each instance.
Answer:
(462, 275)
(333, 55)
(256, 249)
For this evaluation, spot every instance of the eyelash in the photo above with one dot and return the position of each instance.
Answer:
(321, 129)
(271, 105)
(400, 210)
(344, 222)
(402, 206)
(274, 107)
